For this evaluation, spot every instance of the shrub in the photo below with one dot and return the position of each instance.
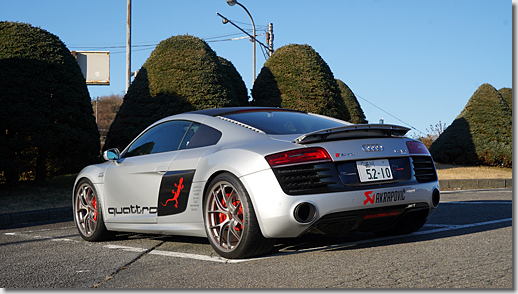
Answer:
(236, 81)
(296, 77)
(507, 94)
(481, 134)
(182, 74)
(45, 107)
(352, 104)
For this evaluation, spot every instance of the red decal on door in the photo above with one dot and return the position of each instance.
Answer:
(179, 187)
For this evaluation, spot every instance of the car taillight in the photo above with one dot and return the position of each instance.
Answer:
(298, 156)
(415, 147)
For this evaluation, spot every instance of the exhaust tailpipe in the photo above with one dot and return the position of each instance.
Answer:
(305, 212)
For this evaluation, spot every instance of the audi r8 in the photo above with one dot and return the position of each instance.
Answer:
(245, 176)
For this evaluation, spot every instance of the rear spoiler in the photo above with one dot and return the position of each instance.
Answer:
(353, 132)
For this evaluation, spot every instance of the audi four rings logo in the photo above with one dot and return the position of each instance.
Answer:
(372, 147)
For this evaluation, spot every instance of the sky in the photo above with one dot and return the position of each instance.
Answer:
(409, 62)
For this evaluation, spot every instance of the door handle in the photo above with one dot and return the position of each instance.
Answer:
(161, 170)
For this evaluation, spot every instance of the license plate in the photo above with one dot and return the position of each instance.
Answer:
(374, 170)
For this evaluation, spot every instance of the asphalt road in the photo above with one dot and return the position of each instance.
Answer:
(467, 243)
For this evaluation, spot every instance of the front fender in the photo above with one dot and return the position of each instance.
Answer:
(95, 174)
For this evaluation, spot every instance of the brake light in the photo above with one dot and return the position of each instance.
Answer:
(416, 147)
(298, 156)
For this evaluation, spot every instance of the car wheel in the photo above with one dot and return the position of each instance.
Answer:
(87, 213)
(230, 220)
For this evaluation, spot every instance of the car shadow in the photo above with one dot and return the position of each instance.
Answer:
(124, 236)
(451, 219)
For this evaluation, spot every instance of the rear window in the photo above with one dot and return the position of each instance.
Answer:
(284, 122)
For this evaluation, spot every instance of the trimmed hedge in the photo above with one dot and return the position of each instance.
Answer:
(507, 94)
(236, 81)
(481, 134)
(45, 109)
(182, 74)
(357, 115)
(296, 77)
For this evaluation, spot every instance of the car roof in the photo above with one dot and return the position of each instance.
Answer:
(233, 110)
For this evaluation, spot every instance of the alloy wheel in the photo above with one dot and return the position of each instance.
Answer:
(224, 216)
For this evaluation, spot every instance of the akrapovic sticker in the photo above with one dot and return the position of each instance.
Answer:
(373, 197)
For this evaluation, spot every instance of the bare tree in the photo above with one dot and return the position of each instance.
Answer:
(105, 109)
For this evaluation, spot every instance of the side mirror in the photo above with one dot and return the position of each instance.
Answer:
(112, 154)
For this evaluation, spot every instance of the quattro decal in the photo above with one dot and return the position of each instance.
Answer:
(132, 209)
(174, 192)
(383, 197)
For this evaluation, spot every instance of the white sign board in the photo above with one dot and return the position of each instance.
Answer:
(95, 66)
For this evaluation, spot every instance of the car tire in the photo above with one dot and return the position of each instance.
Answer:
(230, 221)
(88, 213)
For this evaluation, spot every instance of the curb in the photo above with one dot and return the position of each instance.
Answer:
(475, 184)
(27, 217)
(8, 220)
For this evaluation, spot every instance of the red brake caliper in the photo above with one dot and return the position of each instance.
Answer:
(94, 204)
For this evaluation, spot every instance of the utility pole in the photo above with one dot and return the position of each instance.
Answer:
(128, 45)
(234, 2)
(269, 39)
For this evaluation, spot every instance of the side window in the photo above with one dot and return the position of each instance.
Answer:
(201, 137)
(164, 137)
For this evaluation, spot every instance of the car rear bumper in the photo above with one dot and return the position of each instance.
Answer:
(284, 216)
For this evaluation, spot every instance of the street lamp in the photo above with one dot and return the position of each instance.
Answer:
(234, 2)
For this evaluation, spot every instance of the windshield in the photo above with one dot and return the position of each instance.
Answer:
(284, 122)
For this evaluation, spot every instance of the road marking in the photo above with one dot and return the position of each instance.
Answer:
(479, 202)
(439, 228)
(126, 248)
(199, 256)
(38, 237)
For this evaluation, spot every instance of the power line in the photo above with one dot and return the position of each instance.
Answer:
(389, 114)
(209, 39)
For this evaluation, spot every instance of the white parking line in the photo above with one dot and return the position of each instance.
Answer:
(480, 202)
(439, 228)
(126, 248)
(199, 257)
(27, 235)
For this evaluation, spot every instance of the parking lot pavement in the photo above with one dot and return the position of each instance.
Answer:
(8, 220)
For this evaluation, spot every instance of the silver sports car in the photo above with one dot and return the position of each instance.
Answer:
(244, 176)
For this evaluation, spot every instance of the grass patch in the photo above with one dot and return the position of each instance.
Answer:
(459, 172)
(29, 195)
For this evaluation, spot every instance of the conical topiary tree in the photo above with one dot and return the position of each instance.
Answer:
(296, 77)
(45, 107)
(507, 94)
(481, 134)
(236, 81)
(182, 74)
(357, 115)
